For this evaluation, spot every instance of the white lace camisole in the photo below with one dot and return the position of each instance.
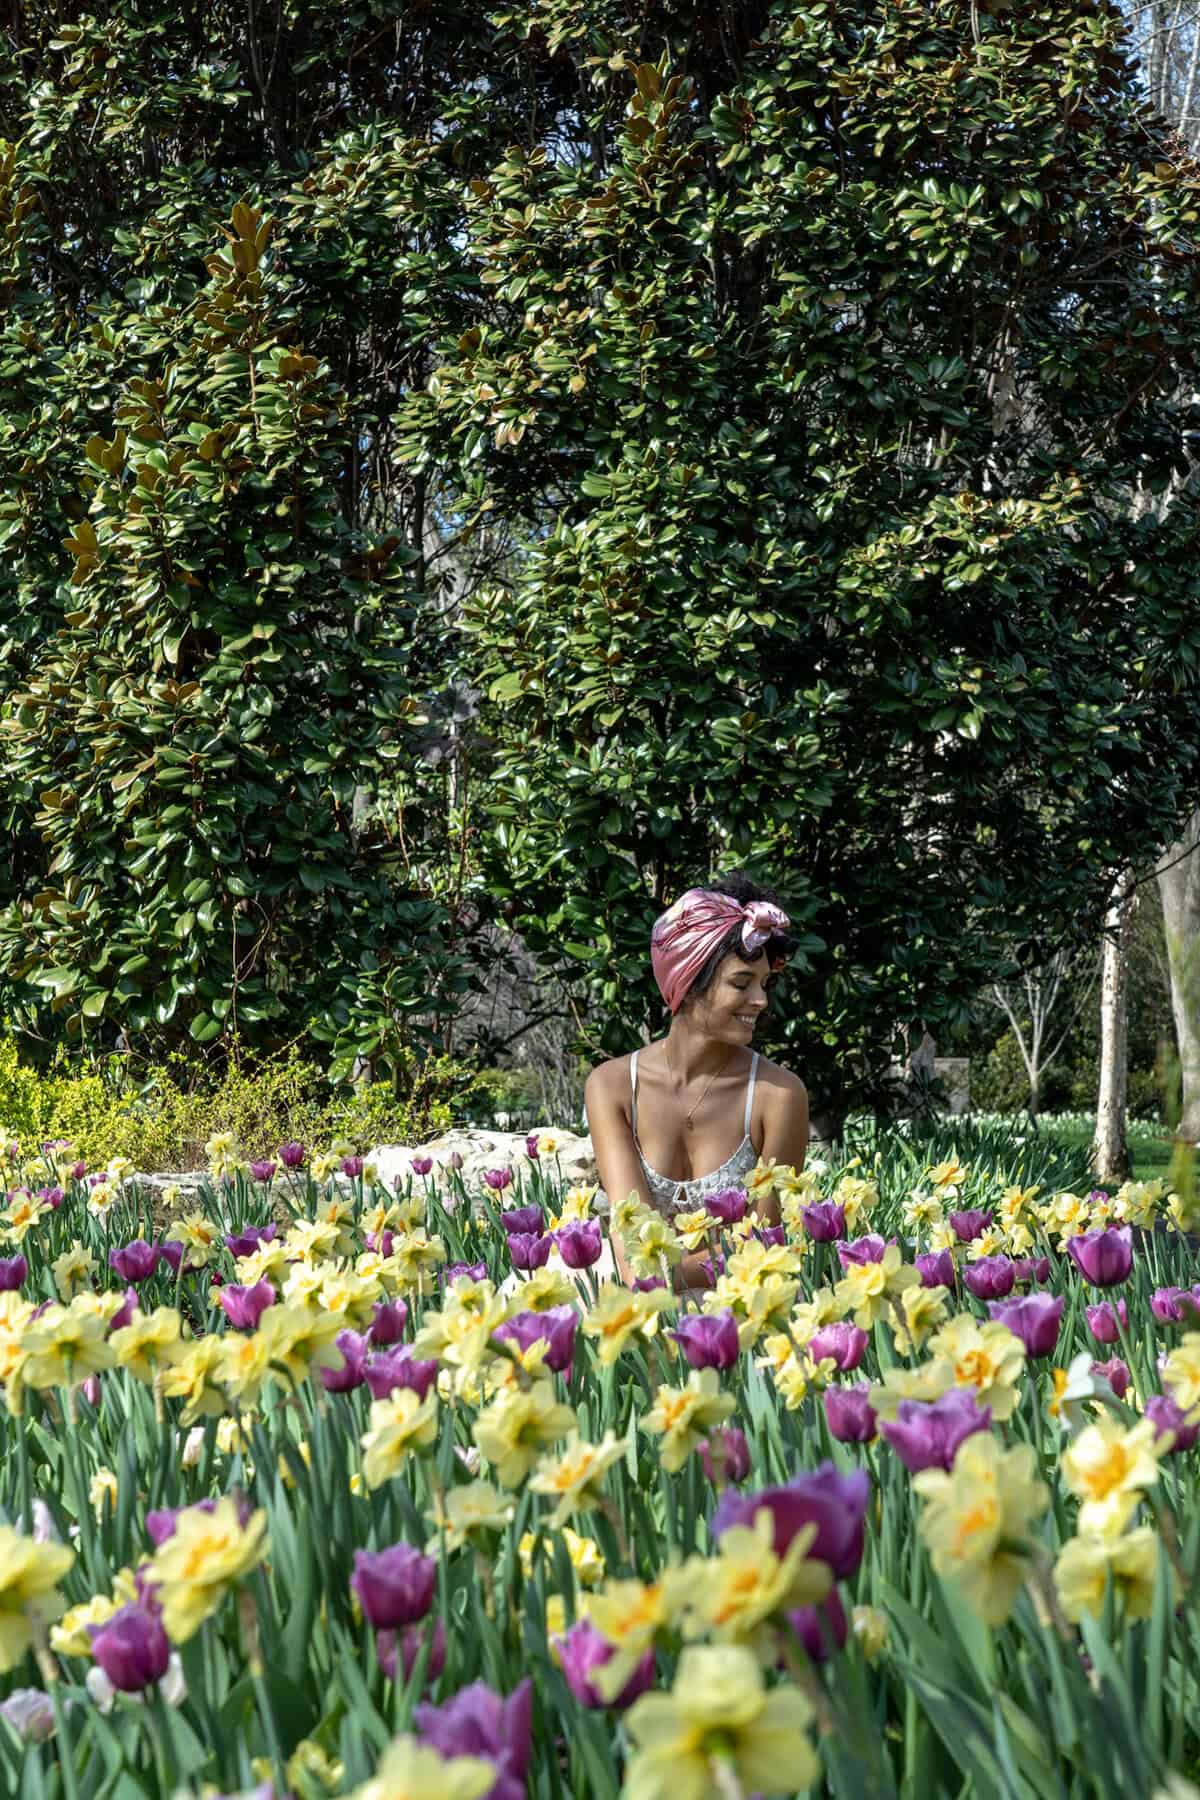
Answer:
(671, 1196)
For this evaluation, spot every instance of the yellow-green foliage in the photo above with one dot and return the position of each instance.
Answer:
(165, 1122)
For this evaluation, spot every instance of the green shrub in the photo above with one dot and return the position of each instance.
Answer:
(164, 1121)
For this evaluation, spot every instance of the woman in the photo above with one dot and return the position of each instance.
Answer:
(693, 1112)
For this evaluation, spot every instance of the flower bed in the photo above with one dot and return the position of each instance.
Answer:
(326, 1489)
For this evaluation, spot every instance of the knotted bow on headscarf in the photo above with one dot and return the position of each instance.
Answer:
(685, 936)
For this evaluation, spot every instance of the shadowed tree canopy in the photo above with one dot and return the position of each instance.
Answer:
(816, 395)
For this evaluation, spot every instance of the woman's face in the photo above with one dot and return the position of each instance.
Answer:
(735, 1000)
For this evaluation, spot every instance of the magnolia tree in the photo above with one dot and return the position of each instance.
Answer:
(812, 391)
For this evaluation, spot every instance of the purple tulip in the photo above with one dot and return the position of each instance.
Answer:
(580, 1243)
(1116, 1373)
(421, 1165)
(770, 1235)
(824, 1222)
(172, 1254)
(869, 1249)
(291, 1155)
(394, 1586)
(936, 1268)
(160, 1525)
(835, 1503)
(1166, 1415)
(382, 1241)
(353, 1371)
(78, 1171)
(709, 1340)
(1035, 1319)
(264, 1171)
(725, 1455)
(479, 1722)
(246, 1241)
(711, 1267)
(132, 1648)
(728, 1206)
(125, 1315)
(1041, 1268)
(970, 1224)
(1106, 1322)
(53, 1197)
(13, 1270)
(925, 1434)
(849, 1413)
(135, 1261)
(497, 1179)
(453, 1272)
(822, 1629)
(387, 1327)
(89, 1387)
(1164, 1304)
(581, 1651)
(410, 1643)
(531, 1146)
(245, 1306)
(528, 1251)
(525, 1219)
(646, 1284)
(841, 1342)
(990, 1278)
(352, 1166)
(393, 1369)
(455, 1159)
(1103, 1257)
(555, 1328)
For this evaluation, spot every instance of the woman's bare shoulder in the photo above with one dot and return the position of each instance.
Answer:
(782, 1080)
(609, 1078)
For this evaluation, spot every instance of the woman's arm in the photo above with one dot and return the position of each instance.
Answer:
(785, 1131)
(620, 1167)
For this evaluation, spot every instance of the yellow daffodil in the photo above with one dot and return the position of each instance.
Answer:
(73, 1270)
(411, 1771)
(619, 1314)
(871, 1631)
(23, 1215)
(204, 1556)
(1108, 1466)
(148, 1342)
(630, 1614)
(865, 1288)
(929, 1381)
(395, 1428)
(976, 1520)
(682, 1416)
(922, 1310)
(1087, 1563)
(476, 1506)
(573, 1477)
(417, 1256)
(586, 1557)
(29, 1577)
(195, 1376)
(65, 1345)
(653, 1247)
(71, 1637)
(519, 1424)
(745, 1583)
(302, 1340)
(544, 1289)
(201, 1236)
(763, 1179)
(987, 1357)
(948, 1177)
(102, 1493)
(719, 1730)
(693, 1228)
(312, 1240)
(1181, 1372)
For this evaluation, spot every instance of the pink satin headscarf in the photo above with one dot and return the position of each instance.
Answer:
(685, 936)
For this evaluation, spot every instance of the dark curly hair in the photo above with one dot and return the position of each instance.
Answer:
(777, 947)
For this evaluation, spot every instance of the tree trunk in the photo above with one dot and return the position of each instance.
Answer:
(1110, 1150)
(1179, 890)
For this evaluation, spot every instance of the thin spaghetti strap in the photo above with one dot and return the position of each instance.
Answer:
(750, 1092)
(633, 1088)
